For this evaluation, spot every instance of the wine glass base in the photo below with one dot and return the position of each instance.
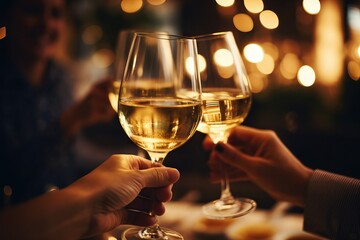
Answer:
(220, 210)
(135, 233)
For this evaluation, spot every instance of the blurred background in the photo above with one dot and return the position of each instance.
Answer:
(302, 57)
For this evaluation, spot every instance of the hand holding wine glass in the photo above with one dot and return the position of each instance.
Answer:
(226, 100)
(159, 103)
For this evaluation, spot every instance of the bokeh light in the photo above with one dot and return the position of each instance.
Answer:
(269, 19)
(353, 70)
(306, 76)
(7, 191)
(2, 32)
(225, 3)
(312, 6)
(201, 63)
(271, 49)
(267, 65)
(258, 82)
(131, 6)
(156, 2)
(103, 58)
(329, 44)
(190, 64)
(223, 57)
(243, 22)
(289, 66)
(353, 18)
(253, 53)
(254, 6)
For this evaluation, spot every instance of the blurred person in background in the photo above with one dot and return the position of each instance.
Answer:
(331, 201)
(39, 115)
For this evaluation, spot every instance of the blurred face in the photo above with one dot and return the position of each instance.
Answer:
(36, 27)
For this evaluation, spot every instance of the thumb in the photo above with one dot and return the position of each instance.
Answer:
(232, 156)
(159, 176)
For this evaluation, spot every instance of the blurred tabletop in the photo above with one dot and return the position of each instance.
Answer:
(274, 224)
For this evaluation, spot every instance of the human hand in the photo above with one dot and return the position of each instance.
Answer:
(119, 184)
(94, 108)
(260, 156)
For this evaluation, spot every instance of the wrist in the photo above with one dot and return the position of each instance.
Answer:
(305, 179)
(84, 200)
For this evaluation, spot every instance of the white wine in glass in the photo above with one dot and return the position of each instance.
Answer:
(226, 97)
(160, 103)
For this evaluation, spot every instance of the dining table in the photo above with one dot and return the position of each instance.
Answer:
(261, 224)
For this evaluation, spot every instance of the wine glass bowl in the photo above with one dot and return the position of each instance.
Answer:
(227, 98)
(123, 45)
(159, 103)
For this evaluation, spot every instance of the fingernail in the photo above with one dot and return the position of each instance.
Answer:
(219, 148)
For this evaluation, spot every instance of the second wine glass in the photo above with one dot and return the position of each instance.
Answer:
(159, 103)
(227, 100)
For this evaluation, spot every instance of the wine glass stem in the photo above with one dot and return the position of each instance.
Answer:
(226, 196)
(157, 157)
(154, 231)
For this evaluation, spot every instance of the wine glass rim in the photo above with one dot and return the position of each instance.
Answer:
(210, 35)
(162, 35)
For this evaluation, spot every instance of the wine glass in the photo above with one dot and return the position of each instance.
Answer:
(159, 103)
(226, 97)
(123, 45)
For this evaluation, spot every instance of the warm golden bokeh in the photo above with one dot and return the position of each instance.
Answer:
(156, 2)
(225, 3)
(243, 22)
(131, 6)
(103, 58)
(254, 6)
(329, 44)
(267, 65)
(2, 32)
(269, 19)
(253, 53)
(306, 76)
(354, 70)
(312, 6)
(289, 66)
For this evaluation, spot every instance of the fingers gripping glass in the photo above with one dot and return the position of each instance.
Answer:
(159, 103)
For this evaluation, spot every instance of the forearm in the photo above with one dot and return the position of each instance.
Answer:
(332, 206)
(63, 214)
